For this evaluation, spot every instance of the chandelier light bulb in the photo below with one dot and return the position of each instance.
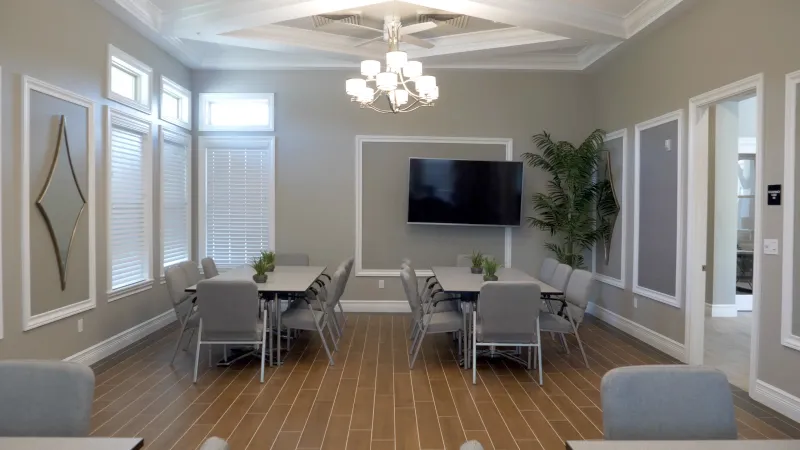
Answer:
(370, 68)
(425, 84)
(354, 86)
(434, 93)
(386, 81)
(395, 61)
(366, 95)
(399, 97)
(412, 70)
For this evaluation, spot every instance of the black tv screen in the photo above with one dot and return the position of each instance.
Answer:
(464, 192)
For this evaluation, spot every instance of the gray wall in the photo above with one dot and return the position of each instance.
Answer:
(659, 72)
(315, 129)
(65, 44)
(614, 267)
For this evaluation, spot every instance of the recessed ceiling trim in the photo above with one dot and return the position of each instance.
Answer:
(484, 40)
(646, 13)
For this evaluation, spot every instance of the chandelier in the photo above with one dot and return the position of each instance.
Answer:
(394, 83)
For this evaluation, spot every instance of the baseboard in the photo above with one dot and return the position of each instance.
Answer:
(744, 302)
(671, 347)
(118, 342)
(723, 310)
(376, 306)
(777, 399)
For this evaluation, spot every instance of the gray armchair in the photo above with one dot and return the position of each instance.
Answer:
(45, 399)
(667, 403)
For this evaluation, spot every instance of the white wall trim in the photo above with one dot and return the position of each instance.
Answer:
(2, 319)
(730, 310)
(697, 220)
(788, 289)
(376, 306)
(119, 341)
(361, 139)
(205, 142)
(30, 321)
(646, 13)
(669, 346)
(744, 302)
(611, 281)
(777, 399)
(672, 300)
(119, 119)
(183, 138)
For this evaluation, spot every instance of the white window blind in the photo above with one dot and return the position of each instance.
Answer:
(238, 200)
(176, 201)
(129, 203)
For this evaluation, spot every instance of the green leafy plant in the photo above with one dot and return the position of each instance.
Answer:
(477, 259)
(576, 208)
(260, 265)
(490, 267)
(269, 260)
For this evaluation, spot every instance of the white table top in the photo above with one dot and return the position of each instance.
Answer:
(91, 443)
(283, 279)
(684, 445)
(461, 279)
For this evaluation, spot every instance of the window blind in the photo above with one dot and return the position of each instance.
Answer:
(175, 203)
(128, 225)
(237, 204)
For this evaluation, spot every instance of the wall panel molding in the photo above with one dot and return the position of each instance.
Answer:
(789, 288)
(623, 186)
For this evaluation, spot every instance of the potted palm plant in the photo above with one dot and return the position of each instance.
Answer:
(261, 266)
(269, 259)
(490, 267)
(477, 262)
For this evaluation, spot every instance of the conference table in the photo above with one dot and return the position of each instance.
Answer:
(284, 280)
(70, 443)
(461, 280)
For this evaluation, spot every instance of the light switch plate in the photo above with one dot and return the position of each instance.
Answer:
(380, 284)
(770, 246)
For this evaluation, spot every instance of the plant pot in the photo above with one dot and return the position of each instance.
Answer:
(477, 269)
(271, 268)
(260, 278)
(490, 278)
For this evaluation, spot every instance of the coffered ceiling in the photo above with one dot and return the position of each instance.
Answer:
(485, 34)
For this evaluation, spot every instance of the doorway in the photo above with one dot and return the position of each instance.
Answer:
(724, 229)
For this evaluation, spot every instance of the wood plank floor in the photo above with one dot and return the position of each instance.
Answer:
(371, 400)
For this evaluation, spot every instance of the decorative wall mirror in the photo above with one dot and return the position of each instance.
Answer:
(608, 205)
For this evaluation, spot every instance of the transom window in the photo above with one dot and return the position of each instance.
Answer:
(176, 106)
(129, 80)
(237, 112)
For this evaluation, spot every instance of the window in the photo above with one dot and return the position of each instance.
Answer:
(176, 104)
(176, 195)
(237, 192)
(129, 205)
(237, 112)
(129, 80)
(747, 201)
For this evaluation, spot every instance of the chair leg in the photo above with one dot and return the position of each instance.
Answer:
(418, 343)
(530, 352)
(322, 337)
(178, 344)
(263, 346)
(333, 339)
(197, 352)
(189, 341)
(210, 355)
(474, 350)
(580, 346)
(539, 351)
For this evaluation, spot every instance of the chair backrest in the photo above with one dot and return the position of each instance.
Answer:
(45, 398)
(193, 275)
(349, 266)
(291, 259)
(409, 280)
(507, 311)
(177, 282)
(464, 260)
(581, 289)
(667, 403)
(338, 282)
(228, 308)
(209, 268)
(561, 277)
(547, 270)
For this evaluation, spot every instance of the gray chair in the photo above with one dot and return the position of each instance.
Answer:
(464, 260)
(547, 270)
(428, 320)
(45, 399)
(291, 259)
(430, 289)
(193, 275)
(209, 268)
(507, 316)
(229, 314)
(579, 291)
(559, 281)
(667, 403)
(182, 302)
(215, 443)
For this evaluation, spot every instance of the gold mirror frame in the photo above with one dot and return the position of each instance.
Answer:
(610, 177)
(62, 263)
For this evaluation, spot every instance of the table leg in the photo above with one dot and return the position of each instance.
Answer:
(268, 312)
(465, 332)
(278, 324)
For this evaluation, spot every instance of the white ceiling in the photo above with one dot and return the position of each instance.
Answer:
(487, 34)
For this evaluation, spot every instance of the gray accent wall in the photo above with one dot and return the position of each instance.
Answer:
(660, 71)
(387, 238)
(614, 267)
(658, 208)
(315, 130)
(65, 43)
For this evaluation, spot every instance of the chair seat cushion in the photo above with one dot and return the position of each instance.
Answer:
(221, 336)
(553, 323)
(301, 318)
(443, 322)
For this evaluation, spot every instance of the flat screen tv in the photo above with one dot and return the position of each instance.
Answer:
(464, 192)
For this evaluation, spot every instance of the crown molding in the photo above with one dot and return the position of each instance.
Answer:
(646, 13)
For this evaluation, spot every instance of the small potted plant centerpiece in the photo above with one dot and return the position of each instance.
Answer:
(269, 258)
(261, 267)
(490, 267)
(477, 262)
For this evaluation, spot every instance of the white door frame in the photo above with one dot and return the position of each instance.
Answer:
(698, 219)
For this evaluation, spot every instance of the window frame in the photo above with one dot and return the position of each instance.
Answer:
(206, 142)
(177, 137)
(206, 99)
(144, 80)
(121, 119)
(184, 96)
